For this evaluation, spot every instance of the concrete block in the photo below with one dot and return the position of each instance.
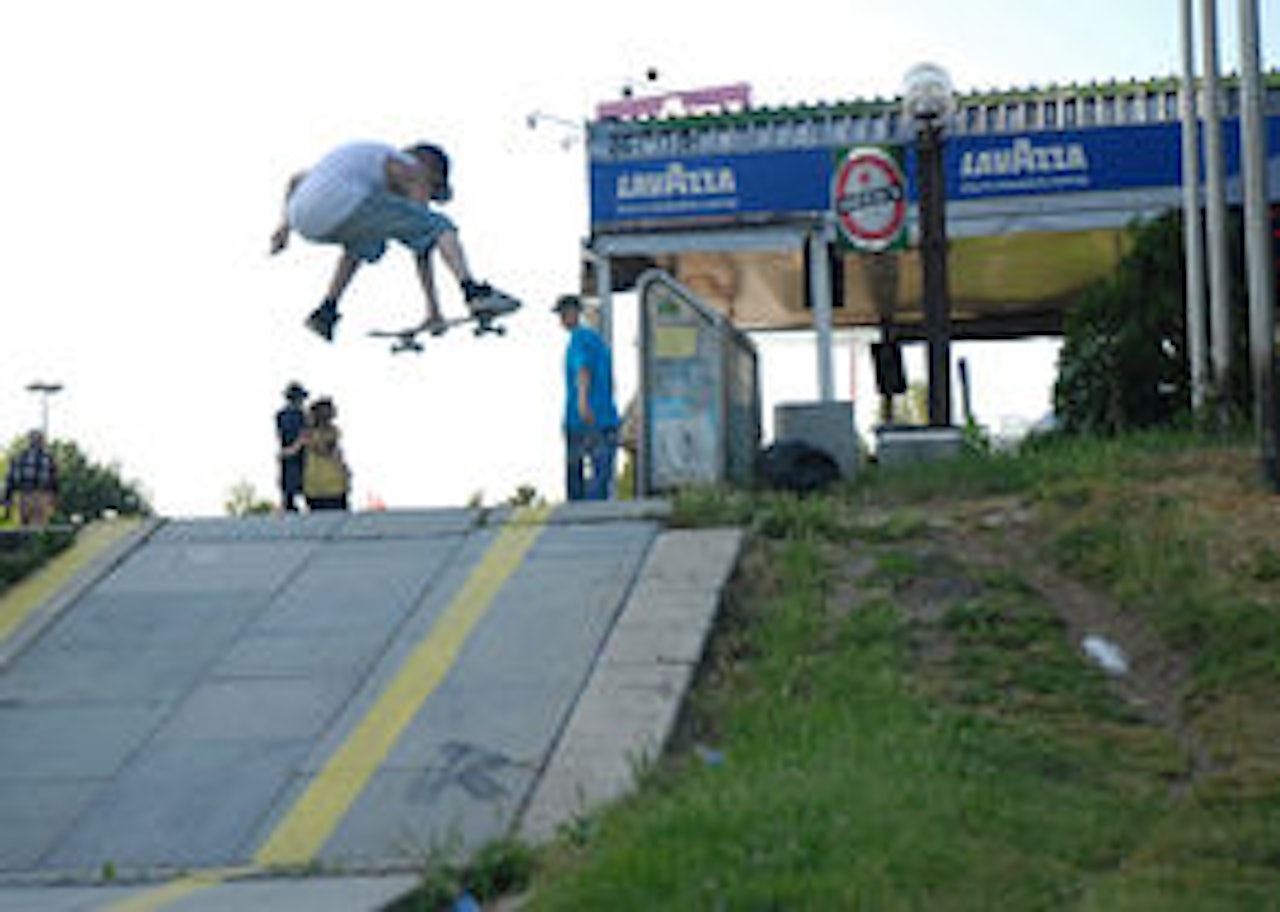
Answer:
(903, 445)
(416, 524)
(693, 559)
(829, 426)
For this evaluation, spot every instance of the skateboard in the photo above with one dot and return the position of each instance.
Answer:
(486, 322)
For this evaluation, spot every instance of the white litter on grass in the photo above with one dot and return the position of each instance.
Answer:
(1106, 654)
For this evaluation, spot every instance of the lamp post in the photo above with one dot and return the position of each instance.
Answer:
(45, 390)
(928, 101)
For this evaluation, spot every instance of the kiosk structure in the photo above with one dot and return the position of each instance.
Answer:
(699, 392)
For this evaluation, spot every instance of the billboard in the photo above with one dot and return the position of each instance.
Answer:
(698, 189)
(1124, 167)
(1032, 218)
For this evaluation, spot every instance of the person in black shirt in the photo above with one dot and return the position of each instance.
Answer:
(290, 422)
(32, 480)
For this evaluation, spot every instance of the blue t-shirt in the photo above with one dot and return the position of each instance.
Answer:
(587, 350)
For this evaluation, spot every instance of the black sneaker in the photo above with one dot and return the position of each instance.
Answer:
(472, 289)
(483, 298)
(323, 319)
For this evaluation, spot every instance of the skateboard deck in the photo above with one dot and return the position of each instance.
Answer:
(486, 322)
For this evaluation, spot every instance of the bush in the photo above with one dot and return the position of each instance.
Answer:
(23, 552)
(1124, 364)
(89, 489)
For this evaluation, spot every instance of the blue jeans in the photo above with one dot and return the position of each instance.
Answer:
(594, 447)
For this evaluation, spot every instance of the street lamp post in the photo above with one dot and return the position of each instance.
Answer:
(45, 390)
(929, 100)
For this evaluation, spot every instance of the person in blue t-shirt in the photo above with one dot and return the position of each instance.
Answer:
(590, 415)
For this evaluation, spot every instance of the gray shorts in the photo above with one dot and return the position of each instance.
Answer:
(383, 217)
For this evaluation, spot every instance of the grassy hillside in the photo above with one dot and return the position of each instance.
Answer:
(897, 712)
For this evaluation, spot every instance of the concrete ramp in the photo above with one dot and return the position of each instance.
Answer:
(323, 693)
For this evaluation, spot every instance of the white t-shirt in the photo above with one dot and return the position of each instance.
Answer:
(333, 189)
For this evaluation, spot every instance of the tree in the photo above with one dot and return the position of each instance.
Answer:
(526, 495)
(87, 489)
(244, 500)
(1123, 364)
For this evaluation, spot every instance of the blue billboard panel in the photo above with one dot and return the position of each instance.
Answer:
(776, 185)
(1100, 159)
(711, 187)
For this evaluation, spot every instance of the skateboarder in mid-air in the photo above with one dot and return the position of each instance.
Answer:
(362, 195)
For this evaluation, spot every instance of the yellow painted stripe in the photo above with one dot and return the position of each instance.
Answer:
(175, 890)
(303, 831)
(21, 600)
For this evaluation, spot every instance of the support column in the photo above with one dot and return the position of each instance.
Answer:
(1192, 226)
(1216, 207)
(819, 253)
(604, 287)
(1258, 242)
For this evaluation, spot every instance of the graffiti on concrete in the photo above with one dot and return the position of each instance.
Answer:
(474, 769)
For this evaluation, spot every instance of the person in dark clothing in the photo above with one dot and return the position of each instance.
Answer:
(32, 480)
(290, 423)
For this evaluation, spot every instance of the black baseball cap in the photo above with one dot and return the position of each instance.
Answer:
(432, 152)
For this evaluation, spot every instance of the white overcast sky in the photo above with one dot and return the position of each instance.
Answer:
(147, 143)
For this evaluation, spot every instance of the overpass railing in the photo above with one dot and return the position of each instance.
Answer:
(880, 120)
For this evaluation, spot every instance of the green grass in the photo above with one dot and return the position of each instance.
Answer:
(1161, 556)
(845, 787)
(962, 755)
(496, 869)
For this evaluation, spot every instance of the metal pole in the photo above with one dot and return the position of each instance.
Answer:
(1216, 207)
(44, 390)
(933, 255)
(1257, 227)
(605, 281)
(1193, 231)
(820, 301)
(966, 400)
(604, 294)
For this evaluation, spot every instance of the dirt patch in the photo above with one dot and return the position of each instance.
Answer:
(1000, 536)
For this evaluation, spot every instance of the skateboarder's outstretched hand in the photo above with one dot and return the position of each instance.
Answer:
(280, 239)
